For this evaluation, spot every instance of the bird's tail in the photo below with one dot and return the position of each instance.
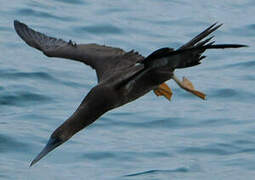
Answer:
(184, 58)
(190, 54)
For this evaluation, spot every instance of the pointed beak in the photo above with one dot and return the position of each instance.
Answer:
(52, 144)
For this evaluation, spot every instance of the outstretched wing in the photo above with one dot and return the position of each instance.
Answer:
(105, 60)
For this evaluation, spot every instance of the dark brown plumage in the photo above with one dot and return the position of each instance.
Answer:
(122, 76)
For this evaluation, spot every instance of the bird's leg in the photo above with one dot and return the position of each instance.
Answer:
(188, 86)
(162, 75)
(163, 90)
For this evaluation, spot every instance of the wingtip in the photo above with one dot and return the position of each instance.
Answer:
(16, 22)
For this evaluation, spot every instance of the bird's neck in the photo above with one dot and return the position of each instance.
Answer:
(85, 115)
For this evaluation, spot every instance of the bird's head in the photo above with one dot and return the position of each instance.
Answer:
(54, 141)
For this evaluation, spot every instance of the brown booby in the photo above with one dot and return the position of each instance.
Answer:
(122, 76)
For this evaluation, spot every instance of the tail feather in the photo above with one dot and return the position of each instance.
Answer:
(200, 36)
(205, 41)
(223, 46)
(183, 58)
(190, 54)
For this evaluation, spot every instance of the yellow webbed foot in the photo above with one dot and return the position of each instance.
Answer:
(187, 85)
(163, 90)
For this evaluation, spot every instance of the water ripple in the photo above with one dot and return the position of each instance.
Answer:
(14, 75)
(21, 98)
(229, 93)
(77, 2)
(5, 29)
(99, 155)
(248, 77)
(41, 14)
(247, 31)
(213, 149)
(123, 155)
(8, 144)
(111, 10)
(241, 65)
(157, 123)
(99, 29)
(156, 171)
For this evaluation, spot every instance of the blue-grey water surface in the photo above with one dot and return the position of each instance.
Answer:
(151, 138)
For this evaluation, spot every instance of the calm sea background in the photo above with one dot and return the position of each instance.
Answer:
(151, 138)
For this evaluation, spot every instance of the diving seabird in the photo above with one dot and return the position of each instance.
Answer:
(122, 76)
